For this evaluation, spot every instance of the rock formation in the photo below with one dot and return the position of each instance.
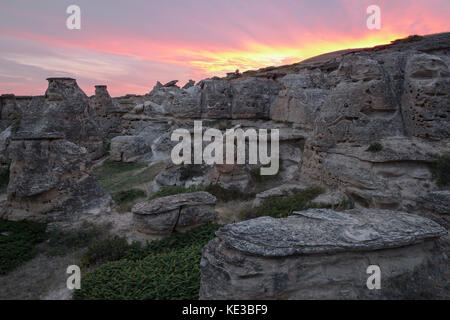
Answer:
(315, 254)
(50, 154)
(180, 212)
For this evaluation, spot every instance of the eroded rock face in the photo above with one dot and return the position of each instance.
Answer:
(131, 149)
(64, 113)
(50, 154)
(436, 206)
(315, 254)
(180, 212)
(108, 111)
(50, 182)
(396, 97)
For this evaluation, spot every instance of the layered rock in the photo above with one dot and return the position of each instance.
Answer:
(64, 113)
(181, 212)
(436, 206)
(109, 112)
(315, 254)
(50, 154)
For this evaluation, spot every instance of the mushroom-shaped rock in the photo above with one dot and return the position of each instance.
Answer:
(314, 254)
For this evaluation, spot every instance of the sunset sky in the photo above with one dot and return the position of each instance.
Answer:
(129, 45)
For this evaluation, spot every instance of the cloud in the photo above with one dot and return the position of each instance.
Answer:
(130, 45)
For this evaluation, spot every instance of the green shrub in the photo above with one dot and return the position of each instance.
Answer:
(18, 241)
(127, 196)
(283, 207)
(375, 147)
(441, 169)
(62, 242)
(112, 249)
(228, 194)
(165, 269)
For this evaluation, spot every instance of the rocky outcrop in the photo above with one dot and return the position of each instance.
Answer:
(131, 149)
(50, 182)
(50, 154)
(181, 212)
(315, 254)
(109, 112)
(436, 206)
(64, 113)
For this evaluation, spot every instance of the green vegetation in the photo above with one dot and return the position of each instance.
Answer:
(118, 176)
(17, 242)
(441, 169)
(375, 147)
(228, 194)
(283, 207)
(164, 269)
(4, 179)
(127, 196)
(221, 193)
(62, 242)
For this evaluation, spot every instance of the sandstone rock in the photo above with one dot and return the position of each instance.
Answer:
(170, 84)
(278, 192)
(131, 149)
(5, 138)
(63, 113)
(109, 112)
(189, 84)
(436, 206)
(50, 181)
(315, 254)
(180, 212)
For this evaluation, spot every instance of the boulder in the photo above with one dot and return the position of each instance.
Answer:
(50, 182)
(315, 254)
(180, 212)
(189, 84)
(278, 192)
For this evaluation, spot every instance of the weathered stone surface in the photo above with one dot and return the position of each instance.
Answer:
(131, 149)
(180, 212)
(314, 254)
(63, 113)
(436, 206)
(50, 181)
(189, 84)
(109, 112)
(5, 138)
(278, 192)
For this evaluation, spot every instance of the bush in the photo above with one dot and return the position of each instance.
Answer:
(283, 207)
(375, 147)
(127, 196)
(17, 244)
(228, 194)
(165, 269)
(441, 169)
(62, 242)
(112, 249)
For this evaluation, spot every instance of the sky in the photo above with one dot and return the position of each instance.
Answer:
(129, 45)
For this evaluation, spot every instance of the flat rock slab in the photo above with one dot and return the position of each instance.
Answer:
(327, 231)
(165, 204)
(179, 212)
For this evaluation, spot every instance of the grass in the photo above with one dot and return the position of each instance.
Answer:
(18, 242)
(283, 207)
(166, 269)
(115, 177)
(123, 197)
(221, 193)
(375, 147)
(441, 169)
